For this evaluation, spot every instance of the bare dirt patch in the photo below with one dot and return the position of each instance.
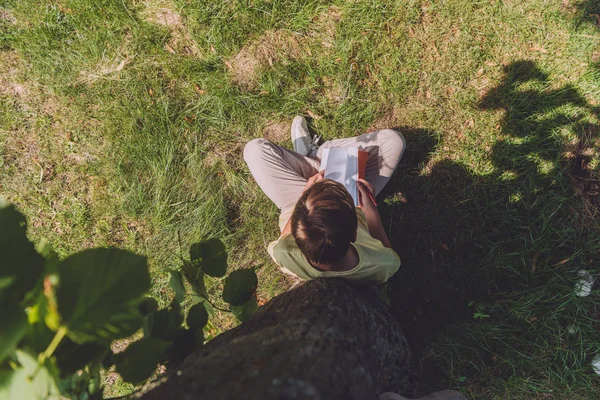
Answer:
(271, 48)
(9, 75)
(168, 18)
(227, 152)
(7, 16)
(277, 131)
(180, 41)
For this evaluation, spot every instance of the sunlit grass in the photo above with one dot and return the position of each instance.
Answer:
(122, 123)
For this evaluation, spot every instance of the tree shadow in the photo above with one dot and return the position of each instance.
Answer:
(587, 12)
(467, 238)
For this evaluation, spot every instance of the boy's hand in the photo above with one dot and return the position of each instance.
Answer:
(366, 196)
(314, 179)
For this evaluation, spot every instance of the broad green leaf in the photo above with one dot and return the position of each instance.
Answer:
(163, 324)
(22, 383)
(197, 316)
(245, 311)
(176, 282)
(38, 336)
(12, 329)
(140, 359)
(20, 265)
(210, 256)
(99, 294)
(45, 309)
(195, 277)
(95, 384)
(240, 285)
(71, 357)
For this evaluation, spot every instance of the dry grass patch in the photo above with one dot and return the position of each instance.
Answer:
(7, 16)
(10, 75)
(392, 118)
(111, 64)
(163, 13)
(277, 132)
(271, 48)
(333, 90)
(226, 152)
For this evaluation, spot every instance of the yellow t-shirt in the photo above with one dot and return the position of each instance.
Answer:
(376, 263)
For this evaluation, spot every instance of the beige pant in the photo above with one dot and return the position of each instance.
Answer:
(282, 174)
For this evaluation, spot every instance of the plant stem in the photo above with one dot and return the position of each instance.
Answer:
(214, 306)
(60, 334)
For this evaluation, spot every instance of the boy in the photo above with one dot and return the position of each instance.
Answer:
(322, 233)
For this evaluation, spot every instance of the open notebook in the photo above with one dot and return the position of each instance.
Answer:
(345, 165)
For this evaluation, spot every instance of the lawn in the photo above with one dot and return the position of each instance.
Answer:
(122, 123)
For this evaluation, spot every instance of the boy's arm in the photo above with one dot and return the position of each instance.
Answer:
(287, 230)
(371, 213)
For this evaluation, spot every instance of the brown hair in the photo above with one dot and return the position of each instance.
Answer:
(324, 222)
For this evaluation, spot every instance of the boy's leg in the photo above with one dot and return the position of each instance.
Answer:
(280, 173)
(385, 149)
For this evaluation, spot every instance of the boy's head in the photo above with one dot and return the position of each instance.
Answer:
(324, 222)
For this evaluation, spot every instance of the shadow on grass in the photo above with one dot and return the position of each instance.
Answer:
(469, 240)
(587, 12)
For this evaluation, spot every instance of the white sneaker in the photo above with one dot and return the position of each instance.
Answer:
(302, 140)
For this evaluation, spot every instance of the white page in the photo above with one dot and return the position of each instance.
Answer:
(324, 156)
(341, 165)
(352, 173)
(336, 165)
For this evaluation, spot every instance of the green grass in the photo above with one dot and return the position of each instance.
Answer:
(123, 122)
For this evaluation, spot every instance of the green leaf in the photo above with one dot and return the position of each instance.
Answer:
(12, 329)
(245, 311)
(95, 384)
(163, 324)
(197, 316)
(210, 256)
(240, 285)
(195, 277)
(71, 357)
(99, 294)
(176, 282)
(20, 265)
(29, 381)
(85, 385)
(38, 336)
(140, 359)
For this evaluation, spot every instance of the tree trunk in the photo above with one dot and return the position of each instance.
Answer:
(325, 339)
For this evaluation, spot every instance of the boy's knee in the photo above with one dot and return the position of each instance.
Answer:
(254, 149)
(393, 138)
